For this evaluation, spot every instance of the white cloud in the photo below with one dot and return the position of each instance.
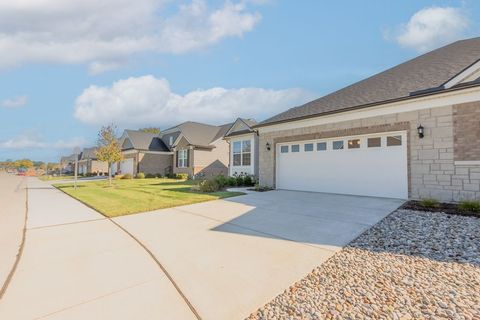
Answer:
(31, 139)
(102, 33)
(149, 101)
(15, 102)
(433, 27)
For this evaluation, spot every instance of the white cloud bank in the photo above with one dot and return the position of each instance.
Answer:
(432, 27)
(16, 102)
(149, 101)
(105, 33)
(32, 140)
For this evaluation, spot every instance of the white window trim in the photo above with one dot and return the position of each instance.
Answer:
(182, 158)
(241, 153)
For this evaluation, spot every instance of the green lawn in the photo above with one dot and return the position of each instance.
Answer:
(52, 178)
(138, 195)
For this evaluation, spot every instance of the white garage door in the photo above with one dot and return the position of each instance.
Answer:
(126, 166)
(370, 165)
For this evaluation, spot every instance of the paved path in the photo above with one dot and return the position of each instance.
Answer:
(78, 265)
(227, 257)
(12, 222)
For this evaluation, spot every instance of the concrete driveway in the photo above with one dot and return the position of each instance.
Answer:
(226, 257)
(231, 256)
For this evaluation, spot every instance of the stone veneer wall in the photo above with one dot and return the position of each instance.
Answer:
(432, 169)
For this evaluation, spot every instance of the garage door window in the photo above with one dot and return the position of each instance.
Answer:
(337, 145)
(284, 149)
(321, 146)
(308, 147)
(354, 144)
(394, 141)
(295, 148)
(374, 142)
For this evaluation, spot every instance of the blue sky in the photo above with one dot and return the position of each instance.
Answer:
(69, 67)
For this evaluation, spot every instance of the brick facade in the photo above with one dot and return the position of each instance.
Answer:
(431, 160)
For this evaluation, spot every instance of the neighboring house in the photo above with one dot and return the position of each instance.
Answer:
(67, 164)
(411, 131)
(243, 149)
(199, 149)
(88, 163)
(143, 152)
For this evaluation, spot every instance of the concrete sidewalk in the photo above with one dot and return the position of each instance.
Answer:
(78, 265)
(12, 222)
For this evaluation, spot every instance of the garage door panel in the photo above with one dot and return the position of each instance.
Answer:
(126, 166)
(365, 171)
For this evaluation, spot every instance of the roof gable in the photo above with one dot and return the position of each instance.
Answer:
(241, 126)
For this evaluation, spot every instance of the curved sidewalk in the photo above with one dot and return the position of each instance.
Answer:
(76, 264)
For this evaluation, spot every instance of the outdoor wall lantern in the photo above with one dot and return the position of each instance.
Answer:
(420, 131)
(268, 146)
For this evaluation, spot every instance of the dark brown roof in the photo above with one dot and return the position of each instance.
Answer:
(428, 72)
(146, 141)
(200, 134)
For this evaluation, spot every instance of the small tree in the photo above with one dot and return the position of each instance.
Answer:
(108, 148)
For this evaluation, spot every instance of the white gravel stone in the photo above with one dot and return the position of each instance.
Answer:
(411, 265)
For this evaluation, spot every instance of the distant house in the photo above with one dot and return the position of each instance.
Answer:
(89, 164)
(243, 152)
(143, 152)
(67, 164)
(198, 149)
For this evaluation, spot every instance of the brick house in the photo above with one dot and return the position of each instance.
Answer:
(411, 131)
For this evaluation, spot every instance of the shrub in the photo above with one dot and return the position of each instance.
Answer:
(181, 176)
(231, 181)
(221, 180)
(159, 175)
(209, 186)
(429, 203)
(240, 181)
(118, 176)
(140, 175)
(470, 205)
(149, 176)
(248, 181)
(127, 176)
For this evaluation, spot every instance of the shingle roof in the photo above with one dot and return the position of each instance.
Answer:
(428, 71)
(146, 141)
(89, 153)
(201, 134)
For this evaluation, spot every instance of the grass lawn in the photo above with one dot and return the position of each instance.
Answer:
(51, 178)
(139, 195)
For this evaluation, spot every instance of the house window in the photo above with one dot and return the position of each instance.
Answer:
(374, 142)
(295, 148)
(284, 149)
(354, 144)
(394, 141)
(337, 145)
(242, 153)
(182, 158)
(321, 146)
(308, 147)
(170, 140)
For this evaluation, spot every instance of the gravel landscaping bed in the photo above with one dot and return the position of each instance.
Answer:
(411, 265)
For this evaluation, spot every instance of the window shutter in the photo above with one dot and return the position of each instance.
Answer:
(188, 158)
(176, 155)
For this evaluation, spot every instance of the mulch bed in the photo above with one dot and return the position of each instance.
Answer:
(448, 208)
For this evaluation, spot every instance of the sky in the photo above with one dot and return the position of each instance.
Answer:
(69, 67)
